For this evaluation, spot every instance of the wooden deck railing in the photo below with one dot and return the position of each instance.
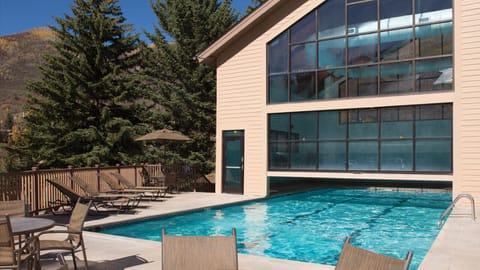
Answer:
(32, 187)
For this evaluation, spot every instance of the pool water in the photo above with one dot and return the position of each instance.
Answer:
(312, 226)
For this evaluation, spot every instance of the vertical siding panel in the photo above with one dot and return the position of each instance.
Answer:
(467, 98)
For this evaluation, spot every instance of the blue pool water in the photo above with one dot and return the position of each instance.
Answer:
(312, 226)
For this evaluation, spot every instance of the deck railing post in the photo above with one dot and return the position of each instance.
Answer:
(98, 176)
(135, 173)
(71, 171)
(36, 192)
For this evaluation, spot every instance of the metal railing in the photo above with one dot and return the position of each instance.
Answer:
(445, 213)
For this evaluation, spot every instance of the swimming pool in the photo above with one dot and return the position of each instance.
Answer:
(311, 226)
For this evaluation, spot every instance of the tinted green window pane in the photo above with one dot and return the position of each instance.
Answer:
(434, 112)
(331, 53)
(362, 17)
(279, 126)
(434, 74)
(400, 130)
(362, 49)
(302, 86)
(278, 88)
(331, 19)
(331, 83)
(278, 54)
(433, 155)
(396, 44)
(332, 125)
(304, 30)
(395, 13)
(396, 155)
(233, 133)
(435, 39)
(396, 78)
(427, 11)
(362, 81)
(278, 155)
(303, 126)
(363, 156)
(303, 57)
(433, 128)
(332, 156)
(363, 124)
(303, 156)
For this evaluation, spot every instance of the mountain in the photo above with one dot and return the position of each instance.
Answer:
(20, 57)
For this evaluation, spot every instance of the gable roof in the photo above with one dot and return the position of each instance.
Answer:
(209, 55)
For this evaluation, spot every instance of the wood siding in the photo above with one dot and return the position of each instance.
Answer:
(467, 98)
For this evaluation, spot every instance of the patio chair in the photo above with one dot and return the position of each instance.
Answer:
(74, 232)
(156, 191)
(13, 208)
(354, 258)
(11, 258)
(118, 200)
(199, 252)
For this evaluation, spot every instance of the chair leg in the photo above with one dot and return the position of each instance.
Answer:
(74, 260)
(84, 256)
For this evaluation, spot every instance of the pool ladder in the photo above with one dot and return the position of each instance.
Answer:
(445, 213)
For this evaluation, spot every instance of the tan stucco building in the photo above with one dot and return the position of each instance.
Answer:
(349, 90)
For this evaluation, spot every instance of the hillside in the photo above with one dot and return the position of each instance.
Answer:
(20, 56)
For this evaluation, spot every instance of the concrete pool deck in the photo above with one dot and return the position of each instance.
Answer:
(456, 247)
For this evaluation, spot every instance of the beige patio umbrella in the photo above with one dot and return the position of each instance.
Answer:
(164, 136)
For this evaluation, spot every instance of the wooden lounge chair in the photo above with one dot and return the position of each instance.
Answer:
(199, 252)
(74, 239)
(354, 258)
(117, 200)
(10, 258)
(155, 191)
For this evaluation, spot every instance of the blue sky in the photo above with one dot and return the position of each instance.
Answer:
(17, 16)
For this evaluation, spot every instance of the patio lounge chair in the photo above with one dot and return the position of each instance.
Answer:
(73, 231)
(10, 258)
(126, 201)
(199, 252)
(156, 191)
(354, 258)
(72, 197)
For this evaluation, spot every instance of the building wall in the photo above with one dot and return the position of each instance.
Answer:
(241, 102)
(467, 98)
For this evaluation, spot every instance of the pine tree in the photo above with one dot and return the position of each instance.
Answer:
(83, 110)
(255, 4)
(185, 89)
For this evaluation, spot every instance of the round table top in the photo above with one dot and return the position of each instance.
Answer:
(26, 225)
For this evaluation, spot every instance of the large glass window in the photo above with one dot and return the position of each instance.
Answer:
(362, 17)
(427, 11)
(331, 19)
(395, 13)
(408, 43)
(331, 83)
(392, 139)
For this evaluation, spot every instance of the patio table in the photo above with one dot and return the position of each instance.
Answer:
(27, 226)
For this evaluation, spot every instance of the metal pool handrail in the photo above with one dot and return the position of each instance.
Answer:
(441, 221)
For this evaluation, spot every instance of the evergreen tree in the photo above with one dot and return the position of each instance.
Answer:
(83, 110)
(186, 90)
(255, 4)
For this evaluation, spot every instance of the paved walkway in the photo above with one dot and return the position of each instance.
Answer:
(457, 246)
